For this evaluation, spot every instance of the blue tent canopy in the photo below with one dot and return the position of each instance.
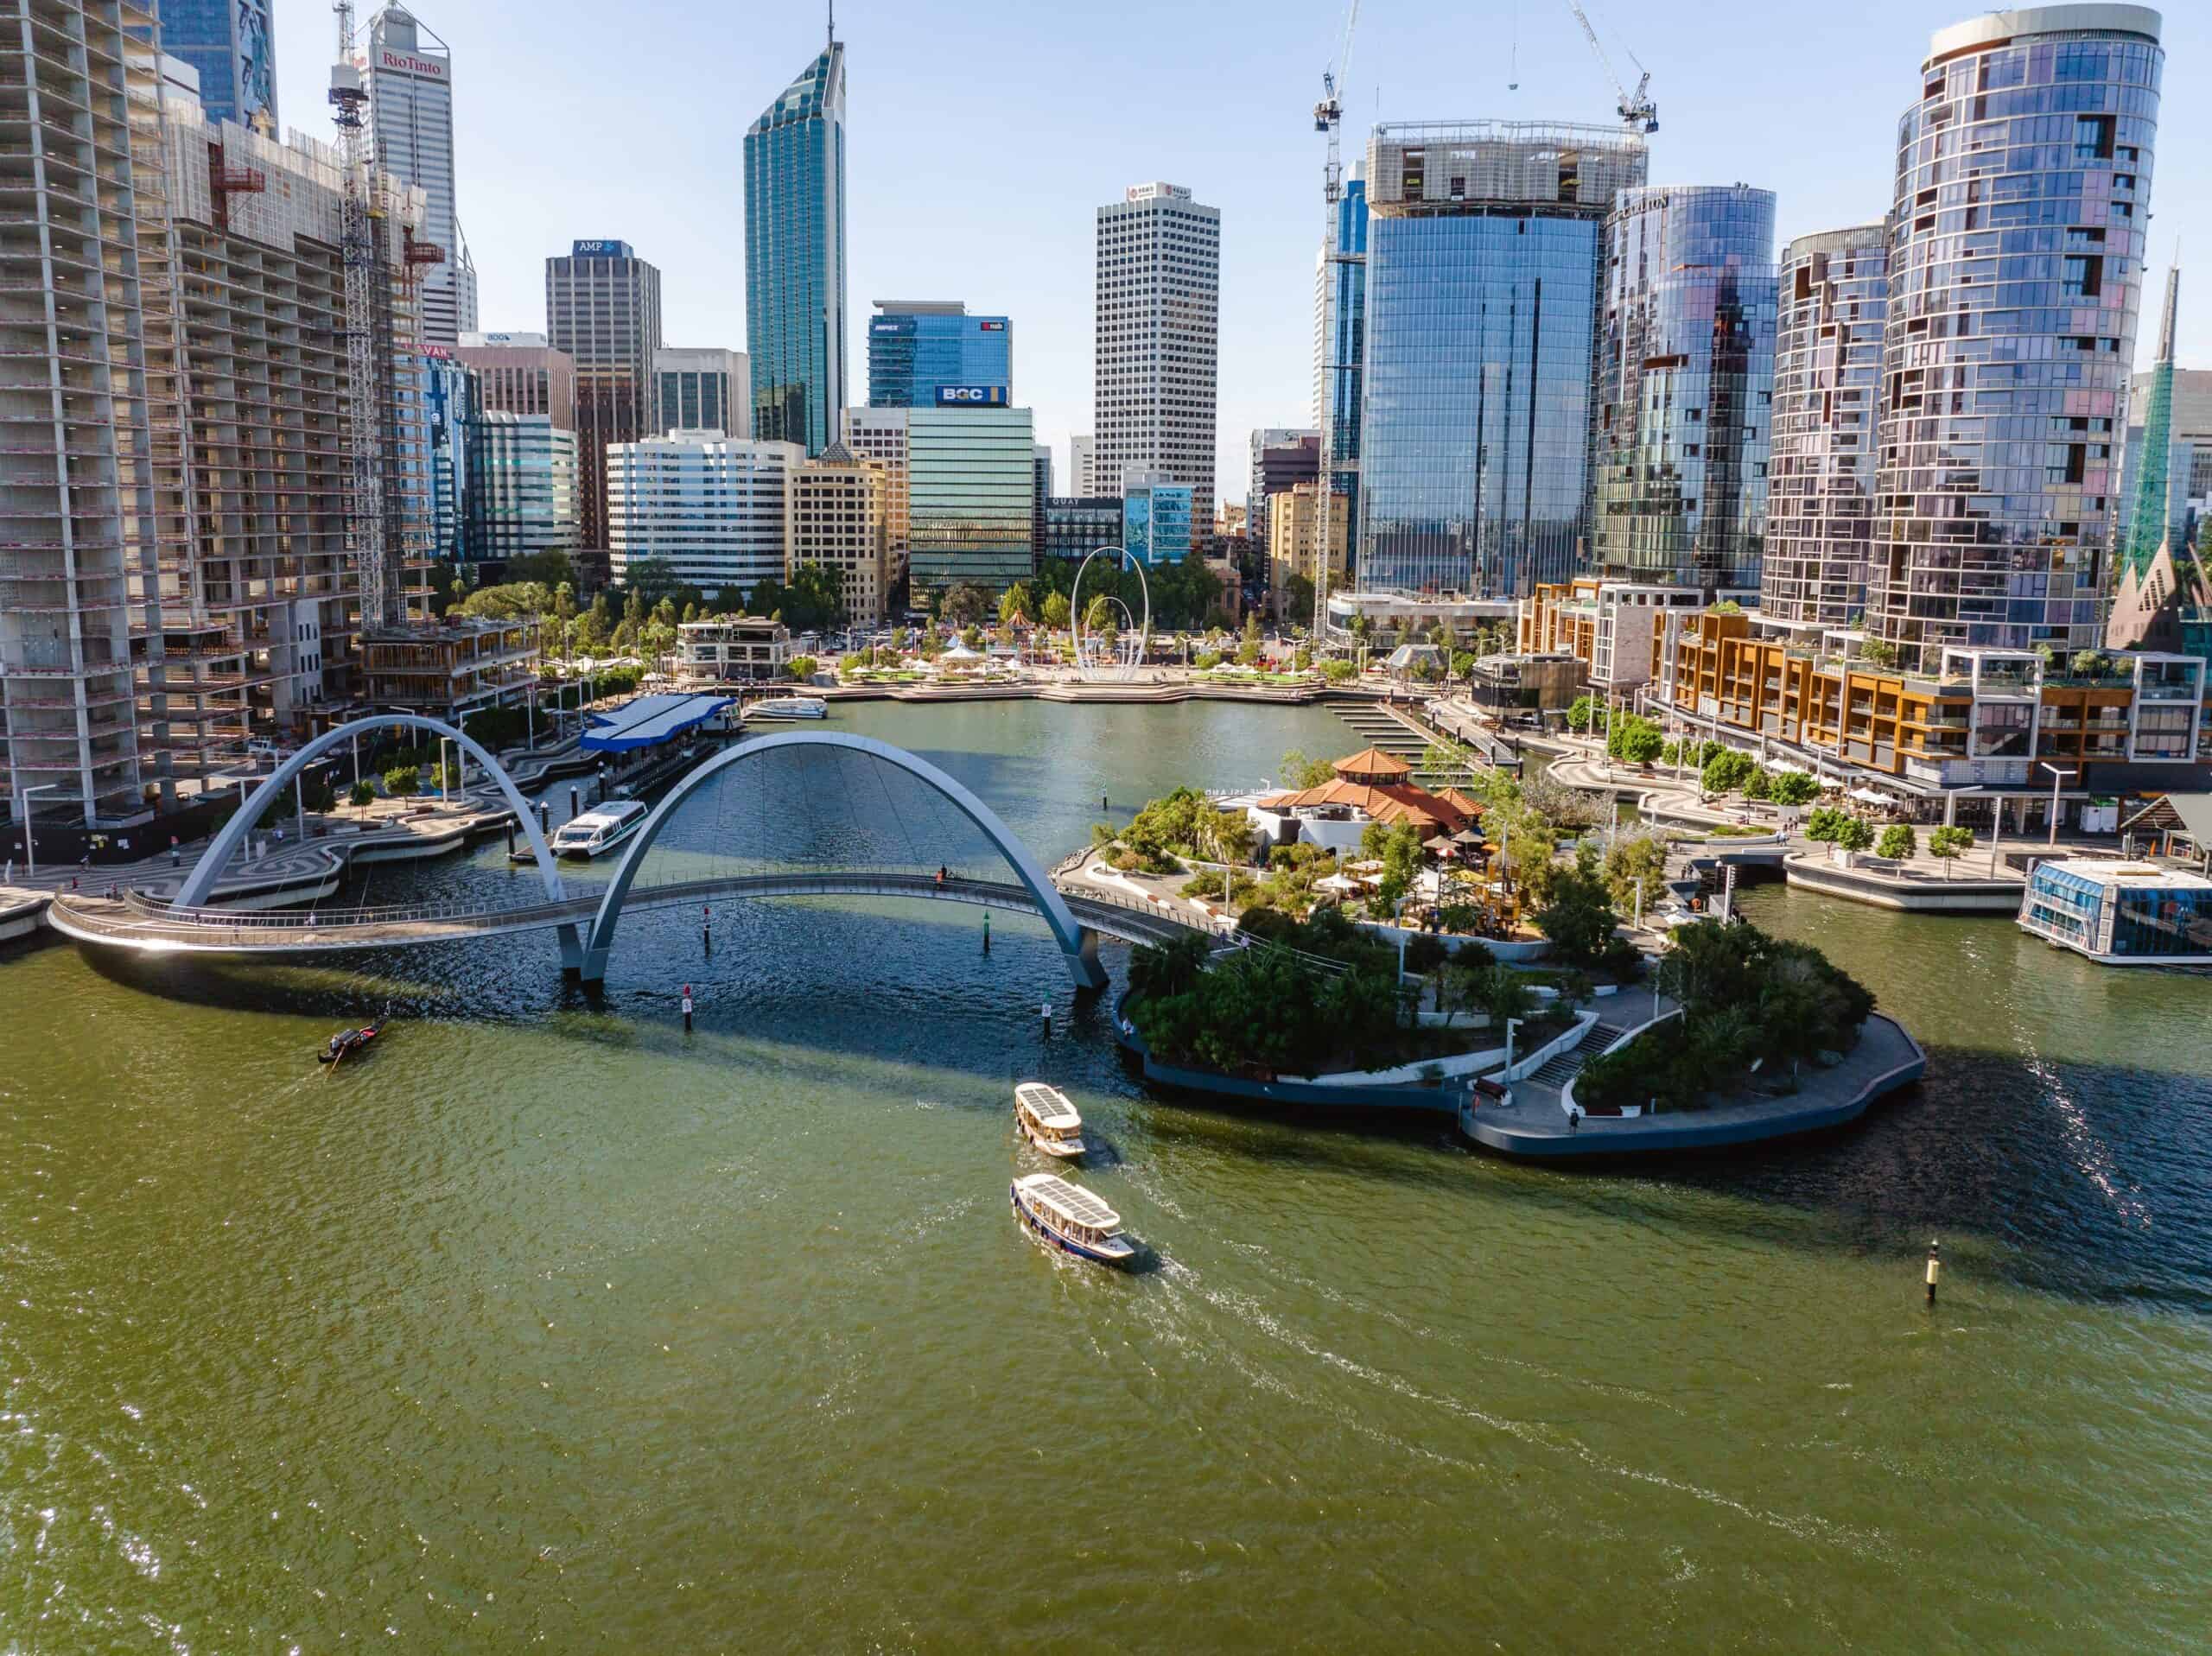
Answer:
(649, 720)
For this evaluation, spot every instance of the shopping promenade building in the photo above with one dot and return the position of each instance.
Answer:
(1483, 276)
(795, 258)
(2021, 215)
(1684, 388)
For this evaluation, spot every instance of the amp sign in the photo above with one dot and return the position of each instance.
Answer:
(599, 249)
(954, 396)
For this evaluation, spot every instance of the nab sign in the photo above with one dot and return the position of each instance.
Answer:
(966, 396)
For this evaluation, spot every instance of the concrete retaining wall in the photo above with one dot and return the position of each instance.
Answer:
(1815, 873)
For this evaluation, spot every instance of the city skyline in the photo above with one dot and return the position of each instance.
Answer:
(1097, 116)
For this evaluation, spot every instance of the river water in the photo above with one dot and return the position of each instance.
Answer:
(546, 1324)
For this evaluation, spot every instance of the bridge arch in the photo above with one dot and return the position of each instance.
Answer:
(200, 884)
(1078, 943)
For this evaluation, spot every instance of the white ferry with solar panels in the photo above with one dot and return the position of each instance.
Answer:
(1070, 1218)
(598, 829)
(1048, 1120)
(789, 707)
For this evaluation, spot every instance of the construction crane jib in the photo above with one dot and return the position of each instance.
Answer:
(365, 528)
(1639, 113)
(1328, 116)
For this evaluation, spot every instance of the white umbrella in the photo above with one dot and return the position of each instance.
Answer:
(1784, 765)
(1871, 797)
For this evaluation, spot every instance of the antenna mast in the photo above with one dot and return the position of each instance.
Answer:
(366, 528)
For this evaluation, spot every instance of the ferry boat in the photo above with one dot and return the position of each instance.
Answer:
(1071, 1219)
(1048, 1120)
(600, 829)
(788, 706)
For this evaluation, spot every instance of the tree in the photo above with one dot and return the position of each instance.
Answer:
(1580, 714)
(1297, 594)
(1015, 603)
(814, 599)
(1463, 665)
(362, 795)
(1425, 953)
(1054, 613)
(766, 598)
(1826, 824)
(1878, 652)
(1578, 913)
(1793, 787)
(1946, 843)
(1298, 771)
(1898, 842)
(1400, 864)
(1727, 770)
(403, 779)
(1854, 834)
(965, 605)
(802, 668)
(1640, 741)
(1638, 862)
(2088, 664)
(549, 569)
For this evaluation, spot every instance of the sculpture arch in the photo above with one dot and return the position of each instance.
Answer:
(200, 884)
(1119, 672)
(1078, 943)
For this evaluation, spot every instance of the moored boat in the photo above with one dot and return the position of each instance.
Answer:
(598, 829)
(789, 707)
(1048, 1120)
(1071, 1218)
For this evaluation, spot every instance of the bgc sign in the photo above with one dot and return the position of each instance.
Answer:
(965, 396)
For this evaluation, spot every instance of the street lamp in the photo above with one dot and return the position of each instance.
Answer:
(2057, 775)
(1511, 1024)
(30, 838)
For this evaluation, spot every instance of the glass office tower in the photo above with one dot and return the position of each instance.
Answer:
(2016, 275)
(1483, 277)
(971, 473)
(1340, 348)
(1684, 387)
(232, 44)
(795, 258)
(1827, 373)
(931, 354)
(1156, 521)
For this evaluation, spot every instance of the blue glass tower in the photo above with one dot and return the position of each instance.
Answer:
(1484, 276)
(795, 258)
(1344, 345)
(927, 354)
(1156, 522)
(231, 46)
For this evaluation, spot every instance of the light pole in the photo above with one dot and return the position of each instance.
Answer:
(1511, 1024)
(30, 836)
(2057, 775)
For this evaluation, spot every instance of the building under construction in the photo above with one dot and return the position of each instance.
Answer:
(176, 574)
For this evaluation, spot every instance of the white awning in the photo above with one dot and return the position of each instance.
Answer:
(1872, 797)
(1784, 765)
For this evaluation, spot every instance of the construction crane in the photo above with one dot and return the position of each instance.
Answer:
(366, 528)
(1328, 115)
(1638, 112)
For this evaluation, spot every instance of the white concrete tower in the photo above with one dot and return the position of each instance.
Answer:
(1159, 322)
(409, 74)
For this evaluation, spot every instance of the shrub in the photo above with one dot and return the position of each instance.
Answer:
(1898, 842)
(1338, 671)
(802, 666)
(1760, 786)
(1425, 953)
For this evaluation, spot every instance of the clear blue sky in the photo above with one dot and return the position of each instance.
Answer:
(983, 134)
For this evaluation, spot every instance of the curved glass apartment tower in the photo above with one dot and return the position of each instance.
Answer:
(2016, 274)
(795, 258)
(1828, 374)
(1685, 385)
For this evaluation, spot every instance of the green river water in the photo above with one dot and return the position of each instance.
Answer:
(547, 1325)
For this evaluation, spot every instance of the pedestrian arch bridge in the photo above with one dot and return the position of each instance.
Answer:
(587, 923)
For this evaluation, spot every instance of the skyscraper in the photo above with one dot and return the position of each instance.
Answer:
(1684, 387)
(1340, 348)
(701, 390)
(1083, 451)
(925, 353)
(1827, 372)
(602, 308)
(711, 506)
(1159, 317)
(2016, 275)
(520, 373)
(1484, 289)
(795, 258)
(971, 473)
(232, 46)
(1280, 455)
(2162, 600)
(409, 75)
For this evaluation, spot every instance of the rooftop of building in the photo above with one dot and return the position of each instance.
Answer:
(2110, 871)
(2000, 28)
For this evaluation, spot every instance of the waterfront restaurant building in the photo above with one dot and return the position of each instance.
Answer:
(2120, 913)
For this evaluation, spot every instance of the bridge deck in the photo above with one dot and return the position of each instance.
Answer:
(137, 923)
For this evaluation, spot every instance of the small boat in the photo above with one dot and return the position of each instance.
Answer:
(600, 829)
(347, 1041)
(789, 707)
(1048, 1120)
(1071, 1219)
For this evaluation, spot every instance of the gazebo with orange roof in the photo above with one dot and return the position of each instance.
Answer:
(1373, 767)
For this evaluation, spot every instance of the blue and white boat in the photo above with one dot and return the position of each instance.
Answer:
(789, 707)
(600, 830)
(1071, 1219)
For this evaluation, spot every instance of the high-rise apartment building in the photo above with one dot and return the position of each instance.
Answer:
(1159, 322)
(969, 475)
(2016, 273)
(880, 435)
(231, 46)
(1294, 536)
(521, 373)
(1260, 483)
(834, 516)
(1484, 276)
(522, 487)
(926, 353)
(707, 505)
(602, 308)
(1828, 375)
(1684, 387)
(409, 73)
(795, 258)
(1340, 345)
(701, 390)
(1082, 474)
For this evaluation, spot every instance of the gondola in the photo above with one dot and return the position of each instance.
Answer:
(347, 1041)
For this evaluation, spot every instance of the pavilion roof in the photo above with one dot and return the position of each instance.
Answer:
(1371, 764)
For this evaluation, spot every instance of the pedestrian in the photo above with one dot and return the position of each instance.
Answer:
(177, 856)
